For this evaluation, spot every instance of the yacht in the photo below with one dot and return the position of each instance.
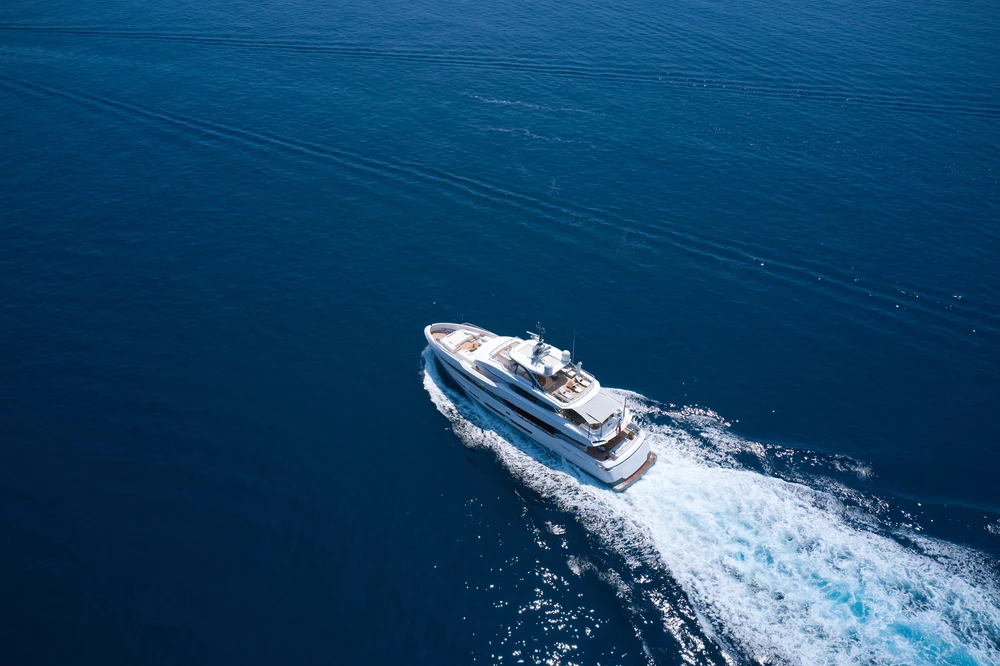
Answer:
(540, 391)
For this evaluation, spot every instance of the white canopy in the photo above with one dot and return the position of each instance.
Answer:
(547, 363)
(598, 409)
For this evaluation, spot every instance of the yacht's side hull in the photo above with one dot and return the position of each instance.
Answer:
(618, 474)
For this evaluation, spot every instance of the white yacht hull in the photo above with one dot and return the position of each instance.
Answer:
(619, 473)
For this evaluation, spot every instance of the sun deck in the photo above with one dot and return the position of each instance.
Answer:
(461, 339)
(503, 351)
(565, 385)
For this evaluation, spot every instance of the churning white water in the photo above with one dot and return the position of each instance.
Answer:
(783, 571)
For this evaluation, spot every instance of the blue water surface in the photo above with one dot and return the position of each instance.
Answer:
(224, 225)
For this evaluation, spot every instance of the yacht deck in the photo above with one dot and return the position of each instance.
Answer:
(470, 343)
(567, 385)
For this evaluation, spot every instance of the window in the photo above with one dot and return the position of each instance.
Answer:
(573, 416)
(535, 420)
(531, 418)
(533, 398)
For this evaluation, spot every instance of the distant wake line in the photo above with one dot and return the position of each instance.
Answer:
(703, 80)
(775, 567)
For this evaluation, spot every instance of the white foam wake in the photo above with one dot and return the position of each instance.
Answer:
(778, 568)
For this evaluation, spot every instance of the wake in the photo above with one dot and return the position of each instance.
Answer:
(776, 571)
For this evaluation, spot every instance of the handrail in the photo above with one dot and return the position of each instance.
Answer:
(498, 351)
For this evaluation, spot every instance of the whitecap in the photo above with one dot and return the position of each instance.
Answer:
(781, 570)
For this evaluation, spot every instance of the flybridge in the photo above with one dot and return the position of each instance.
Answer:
(540, 358)
(544, 367)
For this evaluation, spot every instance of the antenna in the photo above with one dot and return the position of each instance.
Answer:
(541, 347)
(573, 353)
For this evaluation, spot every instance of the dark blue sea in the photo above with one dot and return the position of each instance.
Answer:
(772, 226)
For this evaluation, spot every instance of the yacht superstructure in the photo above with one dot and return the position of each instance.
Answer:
(540, 391)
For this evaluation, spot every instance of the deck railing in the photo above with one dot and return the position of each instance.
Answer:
(505, 348)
